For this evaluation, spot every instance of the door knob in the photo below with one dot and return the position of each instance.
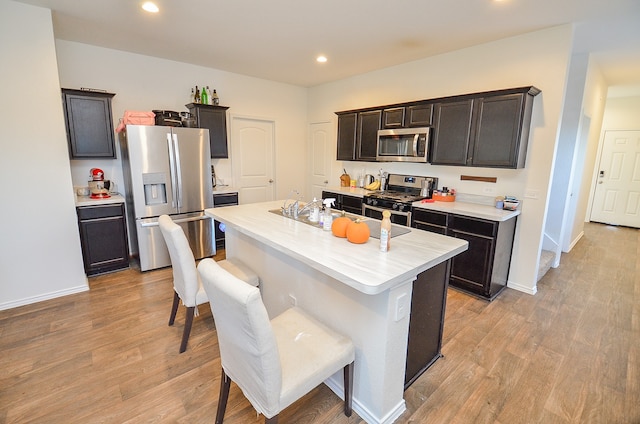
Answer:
(270, 181)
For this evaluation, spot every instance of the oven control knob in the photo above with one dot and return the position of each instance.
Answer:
(395, 206)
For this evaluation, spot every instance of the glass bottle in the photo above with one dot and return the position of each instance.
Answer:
(204, 98)
(385, 231)
(214, 98)
(197, 96)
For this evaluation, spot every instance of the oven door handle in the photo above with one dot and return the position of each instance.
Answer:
(386, 209)
(393, 212)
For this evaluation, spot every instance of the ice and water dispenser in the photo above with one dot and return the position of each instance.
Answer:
(155, 188)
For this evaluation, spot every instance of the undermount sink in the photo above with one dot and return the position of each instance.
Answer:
(304, 218)
(372, 223)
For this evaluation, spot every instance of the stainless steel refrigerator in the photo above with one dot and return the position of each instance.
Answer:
(167, 170)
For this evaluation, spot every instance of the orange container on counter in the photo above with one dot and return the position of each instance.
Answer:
(441, 198)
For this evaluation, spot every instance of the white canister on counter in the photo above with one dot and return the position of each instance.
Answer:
(314, 215)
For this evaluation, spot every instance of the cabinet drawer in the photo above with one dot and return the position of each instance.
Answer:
(352, 202)
(473, 225)
(225, 199)
(100, 211)
(429, 217)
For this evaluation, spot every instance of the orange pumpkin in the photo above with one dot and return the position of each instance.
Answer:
(358, 232)
(339, 226)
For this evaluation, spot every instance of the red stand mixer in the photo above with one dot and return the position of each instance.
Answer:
(96, 184)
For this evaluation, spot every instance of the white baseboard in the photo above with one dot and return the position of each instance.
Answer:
(574, 242)
(363, 412)
(521, 288)
(42, 297)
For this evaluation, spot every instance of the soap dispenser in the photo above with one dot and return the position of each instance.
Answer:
(314, 215)
(328, 219)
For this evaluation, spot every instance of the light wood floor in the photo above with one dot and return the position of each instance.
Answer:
(570, 354)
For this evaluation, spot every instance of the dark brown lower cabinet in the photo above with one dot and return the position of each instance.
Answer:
(103, 235)
(483, 269)
(344, 202)
(222, 200)
(426, 322)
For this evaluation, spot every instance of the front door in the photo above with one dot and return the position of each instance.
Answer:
(252, 159)
(617, 194)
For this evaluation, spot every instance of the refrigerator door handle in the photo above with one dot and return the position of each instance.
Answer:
(172, 167)
(177, 221)
(178, 169)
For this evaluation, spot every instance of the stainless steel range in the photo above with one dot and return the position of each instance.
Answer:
(397, 197)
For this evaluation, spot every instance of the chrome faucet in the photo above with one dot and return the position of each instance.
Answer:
(291, 209)
(291, 206)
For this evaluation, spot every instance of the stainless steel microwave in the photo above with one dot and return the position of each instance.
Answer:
(403, 145)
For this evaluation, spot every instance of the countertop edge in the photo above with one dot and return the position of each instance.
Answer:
(469, 209)
(88, 201)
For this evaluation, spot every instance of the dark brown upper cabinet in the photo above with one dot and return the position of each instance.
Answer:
(89, 123)
(213, 118)
(413, 115)
(358, 135)
(488, 129)
(484, 130)
(347, 123)
(367, 135)
(452, 131)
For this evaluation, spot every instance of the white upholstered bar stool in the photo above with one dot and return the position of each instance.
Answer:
(186, 280)
(273, 362)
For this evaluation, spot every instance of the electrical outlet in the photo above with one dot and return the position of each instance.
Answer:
(402, 306)
(531, 194)
(489, 190)
(293, 300)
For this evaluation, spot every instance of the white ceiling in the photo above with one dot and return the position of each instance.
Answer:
(279, 39)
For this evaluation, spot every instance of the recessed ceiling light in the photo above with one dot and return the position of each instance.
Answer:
(150, 7)
(321, 59)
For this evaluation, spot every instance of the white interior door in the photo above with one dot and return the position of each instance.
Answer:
(252, 159)
(320, 136)
(617, 194)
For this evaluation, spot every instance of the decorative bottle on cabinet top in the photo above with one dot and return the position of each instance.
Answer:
(204, 97)
(197, 96)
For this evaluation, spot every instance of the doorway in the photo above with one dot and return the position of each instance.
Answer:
(616, 198)
(320, 134)
(252, 158)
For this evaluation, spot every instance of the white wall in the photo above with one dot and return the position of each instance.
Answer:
(622, 113)
(595, 93)
(540, 59)
(147, 83)
(40, 254)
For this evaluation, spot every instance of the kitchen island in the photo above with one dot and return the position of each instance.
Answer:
(355, 289)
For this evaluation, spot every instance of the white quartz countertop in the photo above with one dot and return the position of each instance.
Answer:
(224, 189)
(469, 209)
(360, 266)
(88, 201)
(355, 192)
